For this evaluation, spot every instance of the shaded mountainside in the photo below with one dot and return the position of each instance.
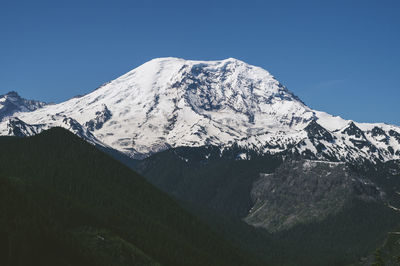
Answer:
(387, 254)
(63, 202)
(326, 213)
(239, 182)
(341, 239)
(204, 176)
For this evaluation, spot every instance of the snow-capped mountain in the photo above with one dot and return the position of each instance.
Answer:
(170, 102)
(12, 103)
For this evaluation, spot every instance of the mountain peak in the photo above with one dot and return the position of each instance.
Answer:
(194, 61)
(316, 131)
(171, 102)
(12, 102)
(353, 130)
(12, 93)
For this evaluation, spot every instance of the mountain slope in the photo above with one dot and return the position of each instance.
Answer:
(11, 103)
(88, 209)
(301, 192)
(316, 212)
(267, 191)
(170, 102)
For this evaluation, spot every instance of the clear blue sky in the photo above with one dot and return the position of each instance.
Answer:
(341, 57)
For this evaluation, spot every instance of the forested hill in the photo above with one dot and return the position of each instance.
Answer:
(63, 202)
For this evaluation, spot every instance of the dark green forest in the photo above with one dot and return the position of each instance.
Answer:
(63, 202)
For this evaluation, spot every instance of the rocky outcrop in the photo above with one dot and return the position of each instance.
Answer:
(305, 191)
(12, 103)
(101, 117)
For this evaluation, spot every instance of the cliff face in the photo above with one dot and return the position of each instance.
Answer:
(306, 191)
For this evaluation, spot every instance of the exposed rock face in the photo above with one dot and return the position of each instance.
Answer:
(12, 103)
(101, 117)
(305, 191)
(17, 127)
(316, 132)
